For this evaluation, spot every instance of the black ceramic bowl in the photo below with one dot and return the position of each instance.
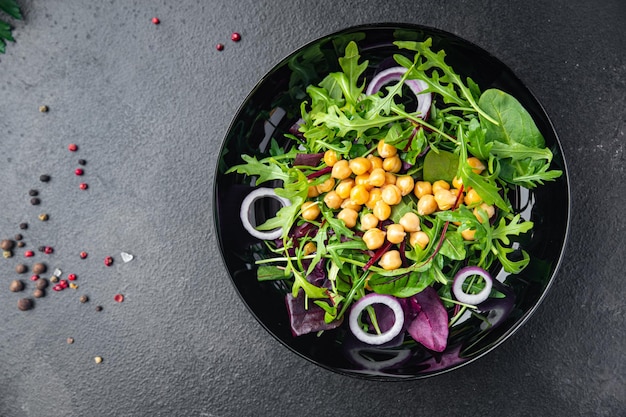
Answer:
(268, 112)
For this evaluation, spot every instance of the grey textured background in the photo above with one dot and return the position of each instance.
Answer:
(149, 105)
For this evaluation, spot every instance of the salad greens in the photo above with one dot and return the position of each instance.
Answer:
(462, 124)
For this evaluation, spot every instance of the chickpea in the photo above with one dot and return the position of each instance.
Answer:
(360, 165)
(468, 234)
(392, 164)
(374, 238)
(333, 200)
(390, 178)
(419, 238)
(369, 221)
(376, 195)
(405, 183)
(348, 216)
(411, 222)
(472, 197)
(391, 194)
(476, 164)
(312, 193)
(331, 157)
(359, 194)
(440, 185)
(341, 170)
(363, 179)
(384, 150)
(376, 161)
(347, 203)
(326, 186)
(480, 211)
(390, 260)
(457, 182)
(382, 210)
(309, 248)
(310, 210)
(344, 187)
(426, 205)
(445, 199)
(395, 233)
(422, 188)
(377, 177)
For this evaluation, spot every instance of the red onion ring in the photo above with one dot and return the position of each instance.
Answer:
(376, 339)
(247, 210)
(459, 280)
(424, 100)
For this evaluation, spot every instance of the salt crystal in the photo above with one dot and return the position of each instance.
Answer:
(57, 273)
(126, 257)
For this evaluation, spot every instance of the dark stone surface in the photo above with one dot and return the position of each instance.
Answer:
(148, 107)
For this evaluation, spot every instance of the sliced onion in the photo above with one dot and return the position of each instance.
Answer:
(368, 300)
(247, 211)
(459, 280)
(395, 74)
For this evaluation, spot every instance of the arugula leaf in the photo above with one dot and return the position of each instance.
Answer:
(352, 70)
(271, 273)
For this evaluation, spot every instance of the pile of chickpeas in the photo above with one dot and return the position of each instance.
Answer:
(373, 182)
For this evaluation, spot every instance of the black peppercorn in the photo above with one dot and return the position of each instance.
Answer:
(33, 193)
(83, 299)
(98, 308)
(7, 244)
(44, 178)
(25, 304)
(41, 284)
(19, 236)
(39, 293)
(35, 201)
(21, 244)
(23, 226)
(41, 248)
(40, 268)
(21, 268)
(16, 285)
(82, 162)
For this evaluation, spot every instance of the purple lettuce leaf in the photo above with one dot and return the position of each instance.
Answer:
(427, 320)
(306, 320)
(308, 159)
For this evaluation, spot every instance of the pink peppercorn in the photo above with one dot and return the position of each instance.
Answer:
(156, 20)
(79, 171)
(83, 186)
(29, 254)
(57, 288)
(71, 277)
(108, 261)
(83, 255)
(219, 46)
(118, 298)
(72, 147)
(48, 250)
(64, 284)
(34, 277)
(235, 37)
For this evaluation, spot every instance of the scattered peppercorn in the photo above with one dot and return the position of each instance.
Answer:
(23, 226)
(83, 255)
(57, 287)
(63, 283)
(83, 299)
(79, 171)
(33, 193)
(16, 286)
(219, 46)
(43, 109)
(44, 178)
(21, 244)
(72, 147)
(7, 254)
(118, 298)
(82, 162)
(40, 268)
(98, 359)
(29, 254)
(43, 217)
(83, 186)
(39, 293)
(35, 201)
(48, 250)
(98, 308)
(70, 340)
(34, 277)
(54, 279)
(41, 284)
(235, 37)
(71, 277)
(25, 304)
(18, 237)
(156, 20)
(21, 268)
(7, 244)
(108, 261)
(41, 248)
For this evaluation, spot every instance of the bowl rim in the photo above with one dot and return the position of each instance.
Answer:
(566, 179)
